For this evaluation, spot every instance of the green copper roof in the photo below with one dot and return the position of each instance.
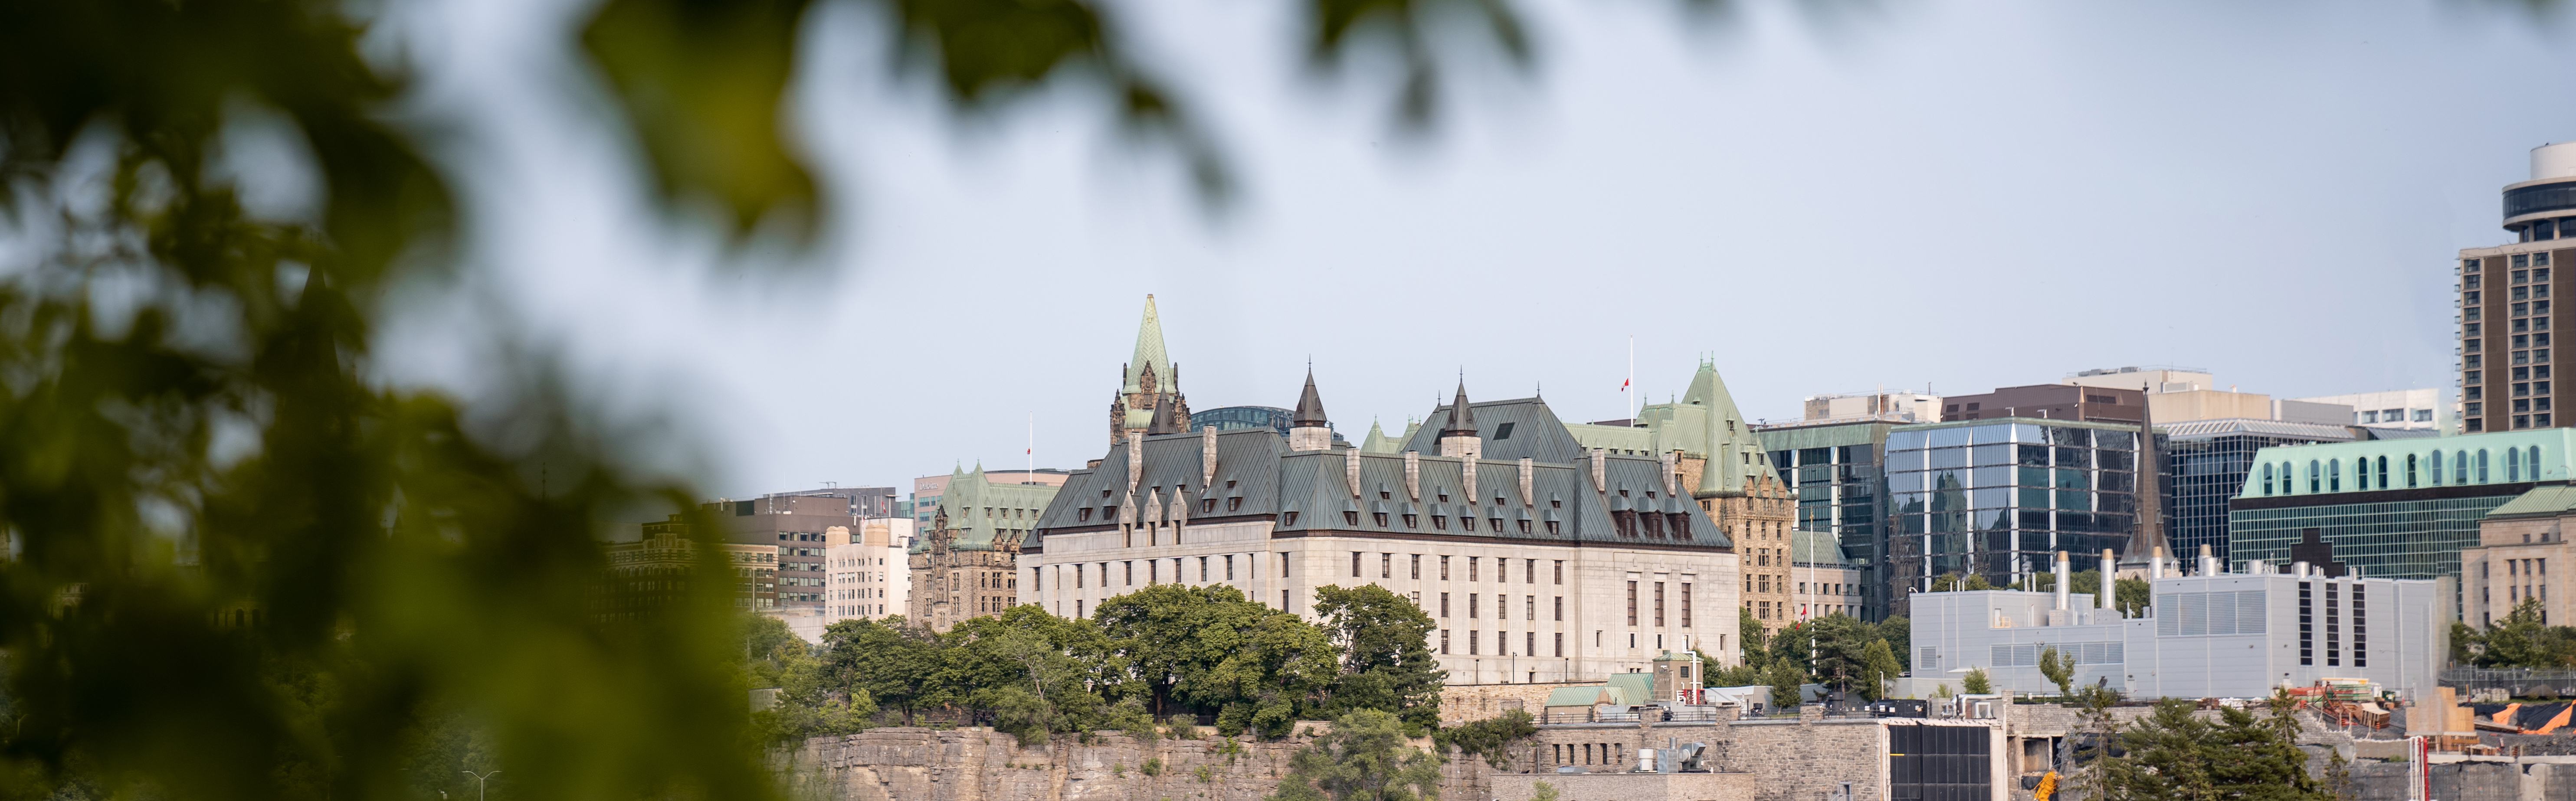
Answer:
(1150, 355)
(1379, 442)
(2501, 457)
(2550, 501)
(984, 512)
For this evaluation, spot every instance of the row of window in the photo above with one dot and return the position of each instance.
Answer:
(1413, 568)
(2327, 475)
(1529, 606)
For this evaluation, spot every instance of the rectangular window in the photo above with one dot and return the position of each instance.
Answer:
(1444, 568)
(1444, 602)
(1386, 566)
(2361, 628)
(1531, 648)
(1283, 601)
(1417, 565)
(2334, 628)
(1131, 573)
(1283, 566)
(1560, 608)
(1475, 639)
(1686, 605)
(1229, 567)
(1560, 571)
(1560, 643)
(1444, 641)
(1154, 571)
(1472, 599)
(1529, 573)
(1529, 607)
(1632, 603)
(1471, 568)
(1659, 604)
(1203, 568)
(1355, 564)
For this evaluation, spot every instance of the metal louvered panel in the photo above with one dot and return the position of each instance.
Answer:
(2168, 612)
(2220, 609)
(2250, 612)
(2194, 613)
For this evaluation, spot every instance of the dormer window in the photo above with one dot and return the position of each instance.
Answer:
(1234, 504)
(1384, 495)
(1380, 517)
(1351, 518)
(1104, 493)
(1553, 527)
(1525, 527)
(1465, 522)
(1412, 521)
(1623, 493)
(1084, 515)
(1444, 497)
(1288, 519)
(1208, 505)
(1440, 522)
(1554, 503)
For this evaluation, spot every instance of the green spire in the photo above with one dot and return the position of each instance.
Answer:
(1150, 355)
(1734, 453)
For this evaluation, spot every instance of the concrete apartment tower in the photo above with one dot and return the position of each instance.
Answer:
(2505, 312)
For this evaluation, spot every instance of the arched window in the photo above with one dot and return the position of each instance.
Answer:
(2316, 476)
(2334, 475)
(2383, 472)
(2459, 467)
(2482, 465)
(2436, 468)
(2267, 478)
(2513, 464)
(2410, 471)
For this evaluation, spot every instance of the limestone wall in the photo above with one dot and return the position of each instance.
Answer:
(979, 764)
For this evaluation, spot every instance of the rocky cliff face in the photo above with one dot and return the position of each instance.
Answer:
(914, 764)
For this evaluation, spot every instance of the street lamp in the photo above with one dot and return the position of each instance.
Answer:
(478, 782)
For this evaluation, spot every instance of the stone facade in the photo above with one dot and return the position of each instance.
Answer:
(1627, 786)
(951, 584)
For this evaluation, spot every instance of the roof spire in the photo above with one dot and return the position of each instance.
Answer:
(1462, 418)
(1150, 355)
(1310, 406)
(2150, 533)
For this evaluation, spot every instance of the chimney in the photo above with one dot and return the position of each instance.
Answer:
(1527, 498)
(2064, 580)
(2105, 594)
(1413, 475)
(1351, 470)
(1207, 457)
(2299, 569)
(2208, 563)
(2156, 564)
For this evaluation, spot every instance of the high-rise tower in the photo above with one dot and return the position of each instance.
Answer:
(1148, 380)
(2505, 317)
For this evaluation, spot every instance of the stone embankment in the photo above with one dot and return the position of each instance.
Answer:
(979, 764)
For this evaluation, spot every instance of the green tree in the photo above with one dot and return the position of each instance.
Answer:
(1034, 673)
(2131, 596)
(2259, 758)
(1209, 650)
(1842, 650)
(1386, 661)
(1364, 758)
(1976, 683)
(1785, 679)
(1880, 667)
(889, 660)
(1543, 791)
(1794, 643)
(1899, 634)
(2059, 668)
(1495, 738)
(808, 703)
(1953, 582)
(1750, 631)
(2168, 757)
(2522, 640)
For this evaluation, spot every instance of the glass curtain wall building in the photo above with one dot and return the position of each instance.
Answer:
(2400, 508)
(2207, 461)
(1842, 493)
(1998, 498)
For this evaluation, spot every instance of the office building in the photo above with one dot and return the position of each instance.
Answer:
(2505, 318)
(2395, 508)
(1239, 418)
(965, 564)
(2206, 462)
(1896, 407)
(864, 501)
(1842, 493)
(1997, 497)
(651, 572)
(2510, 564)
(2211, 634)
(871, 579)
(2408, 409)
(799, 526)
(1539, 559)
(2049, 402)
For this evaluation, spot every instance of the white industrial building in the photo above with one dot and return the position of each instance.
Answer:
(2209, 634)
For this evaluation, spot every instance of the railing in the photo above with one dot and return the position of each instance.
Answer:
(2521, 682)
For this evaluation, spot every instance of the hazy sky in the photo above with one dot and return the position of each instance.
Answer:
(1960, 194)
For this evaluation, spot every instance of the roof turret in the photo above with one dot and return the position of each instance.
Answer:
(1310, 406)
(1150, 355)
(1462, 418)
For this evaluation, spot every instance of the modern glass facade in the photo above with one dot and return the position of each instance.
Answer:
(2206, 462)
(2396, 508)
(1842, 492)
(1997, 498)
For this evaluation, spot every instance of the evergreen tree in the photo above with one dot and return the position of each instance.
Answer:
(1365, 758)
(2168, 757)
(1750, 631)
(1784, 678)
(1976, 683)
(1879, 667)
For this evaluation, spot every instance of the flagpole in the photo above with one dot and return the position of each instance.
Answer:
(1032, 476)
(1632, 380)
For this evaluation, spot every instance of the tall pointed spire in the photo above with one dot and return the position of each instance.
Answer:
(2150, 533)
(1150, 355)
(1734, 453)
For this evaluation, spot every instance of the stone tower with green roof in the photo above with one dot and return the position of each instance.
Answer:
(1148, 379)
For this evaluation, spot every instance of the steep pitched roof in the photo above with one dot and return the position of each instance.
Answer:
(1310, 406)
(1151, 355)
(1511, 429)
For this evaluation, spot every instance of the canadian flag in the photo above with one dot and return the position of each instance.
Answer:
(1623, 385)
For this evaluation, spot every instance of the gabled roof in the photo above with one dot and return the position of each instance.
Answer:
(1310, 406)
(2548, 501)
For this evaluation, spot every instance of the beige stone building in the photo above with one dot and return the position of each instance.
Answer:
(1539, 559)
(646, 574)
(2516, 545)
(871, 577)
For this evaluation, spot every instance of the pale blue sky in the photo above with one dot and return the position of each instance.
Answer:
(1969, 194)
